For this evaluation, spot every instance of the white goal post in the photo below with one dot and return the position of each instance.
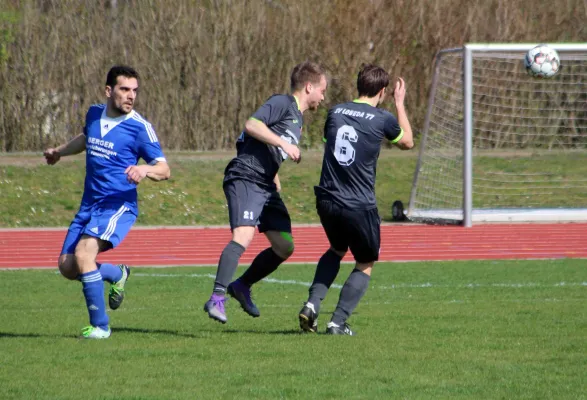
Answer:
(499, 145)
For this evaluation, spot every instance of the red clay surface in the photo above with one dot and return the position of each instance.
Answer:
(20, 248)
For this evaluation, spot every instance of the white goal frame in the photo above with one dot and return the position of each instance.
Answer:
(467, 215)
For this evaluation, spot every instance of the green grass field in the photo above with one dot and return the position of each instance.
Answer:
(442, 330)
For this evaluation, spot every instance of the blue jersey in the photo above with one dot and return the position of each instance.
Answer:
(112, 145)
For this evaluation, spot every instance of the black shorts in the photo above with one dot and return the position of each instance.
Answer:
(358, 230)
(250, 205)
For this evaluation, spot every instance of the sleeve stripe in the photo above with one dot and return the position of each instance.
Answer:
(399, 137)
(148, 127)
(151, 133)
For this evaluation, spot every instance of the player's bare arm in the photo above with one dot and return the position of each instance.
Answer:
(277, 182)
(158, 172)
(399, 95)
(261, 132)
(74, 146)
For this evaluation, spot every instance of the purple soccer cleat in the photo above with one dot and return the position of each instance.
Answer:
(215, 308)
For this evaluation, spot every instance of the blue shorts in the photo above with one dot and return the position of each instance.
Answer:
(108, 222)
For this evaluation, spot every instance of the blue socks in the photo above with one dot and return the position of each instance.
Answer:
(110, 273)
(93, 288)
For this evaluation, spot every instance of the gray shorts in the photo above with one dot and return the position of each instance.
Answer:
(250, 205)
(358, 230)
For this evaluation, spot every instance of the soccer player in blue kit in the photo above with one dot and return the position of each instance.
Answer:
(270, 136)
(114, 137)
(345, 196)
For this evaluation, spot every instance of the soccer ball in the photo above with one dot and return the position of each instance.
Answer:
(542, 62)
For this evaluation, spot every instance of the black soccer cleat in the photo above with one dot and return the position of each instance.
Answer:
(116, 294)
(242, 293)
(334, 329)
(308, 318)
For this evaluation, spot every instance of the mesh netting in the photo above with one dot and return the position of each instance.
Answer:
(529, 136)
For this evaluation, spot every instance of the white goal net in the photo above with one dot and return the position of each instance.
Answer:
(500, 145)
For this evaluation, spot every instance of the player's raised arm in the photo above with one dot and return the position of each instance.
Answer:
(399, 94)
(74, 146)
(261, 132)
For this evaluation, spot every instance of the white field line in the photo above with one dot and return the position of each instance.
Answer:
(384, 287)
(381, 287)
(268, 280)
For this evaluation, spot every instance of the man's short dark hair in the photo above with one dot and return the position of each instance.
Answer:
(371, 80)
(120, 70)
(305, 72)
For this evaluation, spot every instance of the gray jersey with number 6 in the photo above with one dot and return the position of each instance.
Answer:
(353, 135)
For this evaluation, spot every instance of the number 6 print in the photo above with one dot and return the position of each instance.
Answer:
(343, 149)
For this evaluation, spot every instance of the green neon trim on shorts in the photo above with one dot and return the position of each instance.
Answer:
(399, 137)
(287, 236)
(324, 139)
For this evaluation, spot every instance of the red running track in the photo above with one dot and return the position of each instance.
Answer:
(169, 246)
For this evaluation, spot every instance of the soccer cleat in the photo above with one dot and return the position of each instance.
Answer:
(308, 318)
(334, 329)
(116, 294)
(94, 332)
(242, 293)
(215, 308)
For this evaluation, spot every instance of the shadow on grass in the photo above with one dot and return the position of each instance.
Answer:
(280, 332)
(34, 335)
(196, 334)
(200, 333)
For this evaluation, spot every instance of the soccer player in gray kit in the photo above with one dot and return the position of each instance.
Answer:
(270, 136)
(345, 197)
